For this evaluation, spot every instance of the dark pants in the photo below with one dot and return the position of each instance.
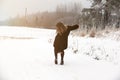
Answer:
(62, 55)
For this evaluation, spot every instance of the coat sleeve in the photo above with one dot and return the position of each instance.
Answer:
(73, 27)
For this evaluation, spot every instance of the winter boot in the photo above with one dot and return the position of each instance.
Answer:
(56, 61)
(62, 63)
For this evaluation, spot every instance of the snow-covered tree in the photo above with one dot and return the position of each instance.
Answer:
(110, 9)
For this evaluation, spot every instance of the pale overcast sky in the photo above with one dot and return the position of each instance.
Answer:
(11, 8)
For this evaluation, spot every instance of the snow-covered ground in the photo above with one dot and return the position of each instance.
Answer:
(27, 54)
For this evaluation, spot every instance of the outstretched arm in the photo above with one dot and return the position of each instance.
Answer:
(73, 27)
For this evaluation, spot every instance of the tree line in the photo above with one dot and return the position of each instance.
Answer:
(66, 13)
(102, 14)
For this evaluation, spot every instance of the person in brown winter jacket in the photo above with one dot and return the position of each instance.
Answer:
(61, 39)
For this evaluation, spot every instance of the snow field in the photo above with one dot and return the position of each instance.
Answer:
(32, 58)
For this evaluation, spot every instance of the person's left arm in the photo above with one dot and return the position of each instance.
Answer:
(73, 27)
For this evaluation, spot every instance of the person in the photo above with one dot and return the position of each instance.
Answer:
(61, 40)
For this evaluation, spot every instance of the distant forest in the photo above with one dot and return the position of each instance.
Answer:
(66, 13)
(102, 14)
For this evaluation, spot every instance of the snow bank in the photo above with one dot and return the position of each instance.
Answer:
(99, 49)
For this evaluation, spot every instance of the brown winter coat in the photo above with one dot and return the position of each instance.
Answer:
(61, 41)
